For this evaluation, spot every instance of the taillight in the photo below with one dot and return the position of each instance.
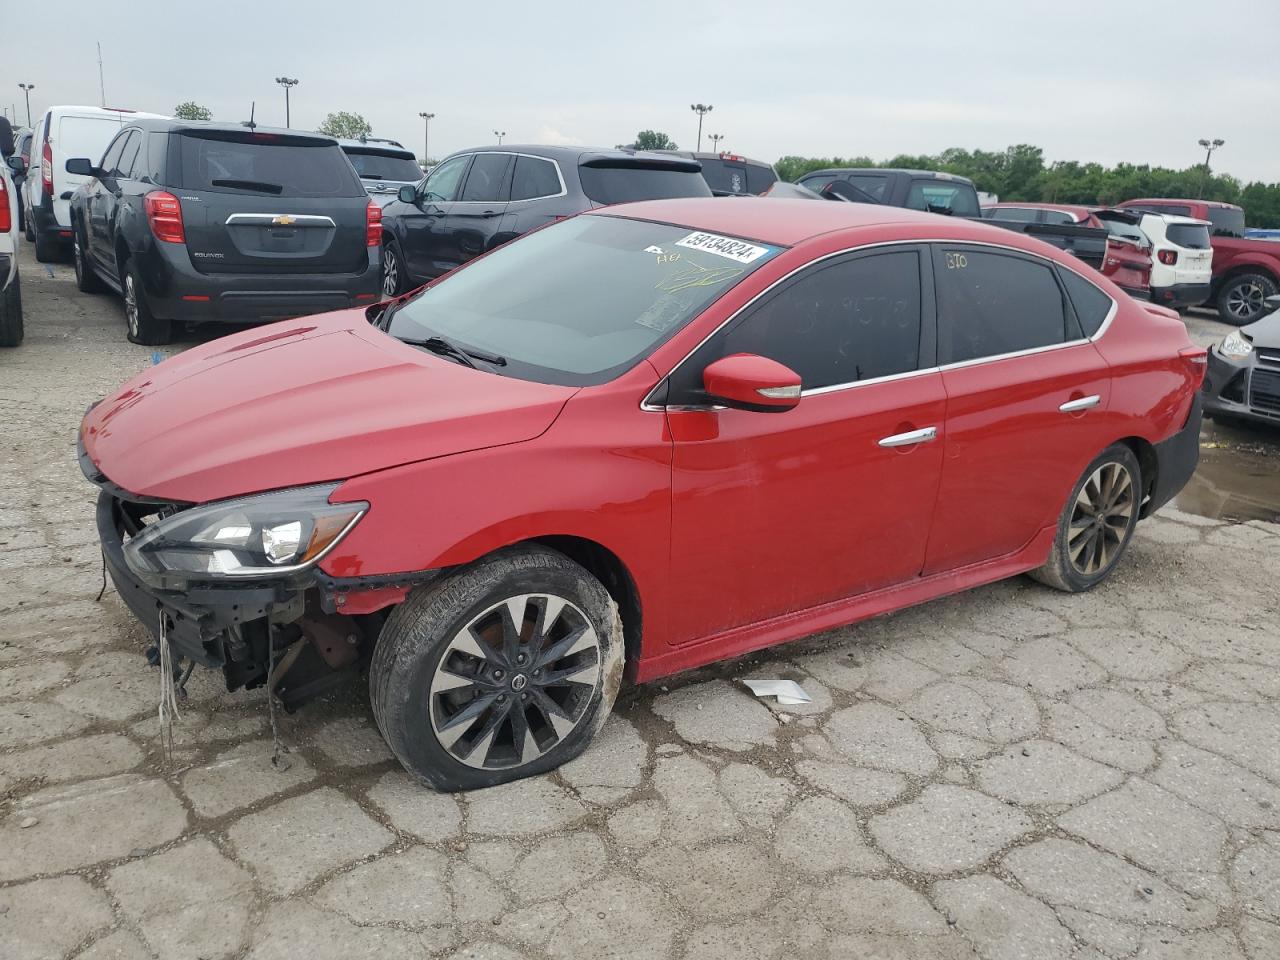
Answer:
(1197, 361)
(164, 216)
(373, 224)
(6, 215)
(46, 168)
(1168, 257)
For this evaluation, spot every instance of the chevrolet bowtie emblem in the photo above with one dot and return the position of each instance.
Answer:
(283, 220)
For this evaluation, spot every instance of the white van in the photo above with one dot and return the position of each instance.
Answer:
(1181, 259)
(63, 133)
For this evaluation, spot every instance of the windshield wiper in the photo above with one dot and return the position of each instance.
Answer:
(256, 185)
(447, 348)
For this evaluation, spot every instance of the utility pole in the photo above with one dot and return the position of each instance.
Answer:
(1209, 147)
(26, 89)
(499, 134)
(287, 83)
(102, 87)
(701, 109)
(715, 139)
(426, 135)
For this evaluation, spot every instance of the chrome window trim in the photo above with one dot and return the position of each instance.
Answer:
(564, 190)
(647, 405)
(268, 219)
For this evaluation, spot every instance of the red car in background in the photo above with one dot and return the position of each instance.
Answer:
(640, 440)
(1245, 271)
(1126, 259)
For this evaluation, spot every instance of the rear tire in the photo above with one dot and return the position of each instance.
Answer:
(11, 328)
(144, 327)
(28, 230)
(1097, 523)
(86, 280)
(468, 697)
(1242, 299)
(393, 277)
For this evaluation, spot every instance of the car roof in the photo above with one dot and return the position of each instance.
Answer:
(787, 222)
(935, 174)
(570, 154)
(376, 146)
(1030, 205)
(1185, 201)
(1177, 218)
(115, 113)
(711, 155)
(175, 125)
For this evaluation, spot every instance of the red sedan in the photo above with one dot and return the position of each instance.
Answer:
(634, 442)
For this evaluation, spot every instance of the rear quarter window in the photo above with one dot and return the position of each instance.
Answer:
(1091, 304)
(288, 167)
(627, 183)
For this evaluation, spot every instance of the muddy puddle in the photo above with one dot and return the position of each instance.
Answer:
(1238, 477)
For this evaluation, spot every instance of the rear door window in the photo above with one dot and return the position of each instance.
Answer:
(264, 163)
(442, 186)
(1194, 236)
(958, 199)
(628, 182)
(487, 178)
(869, 184)
(534, 178)
(991, 304)
(1017, 214)
(837, 323)
(1058, 218)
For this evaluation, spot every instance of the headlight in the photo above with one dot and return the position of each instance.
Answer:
(262, 536)
(1235, 346)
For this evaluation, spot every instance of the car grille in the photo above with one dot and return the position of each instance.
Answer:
(1264, 391)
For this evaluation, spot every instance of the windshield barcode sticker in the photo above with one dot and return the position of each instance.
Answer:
(727, 247)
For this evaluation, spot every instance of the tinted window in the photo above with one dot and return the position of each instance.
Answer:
(1059, 217)
(628, 182)
(1176, 209)
(383, 166)
(111, 159)
(1019, 214)
(485, 179)
(577, 302)
(265, 163)
(157, 146)
(724, 176)
(127, 156)
(816, 183)
(990, 303)
(445, 179)
(869, 184)
(1126, 231)
(534, 178)
(1091, 304)
(1227, 221)
(848, 321)
(1192, 235)
(959, 199)
(760, 178)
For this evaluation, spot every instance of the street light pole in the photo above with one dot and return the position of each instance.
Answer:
(26, 90)
(1209, 147)
(715, 139)
(287, 83)
(426, 136)
(701, 109)
(499, 134)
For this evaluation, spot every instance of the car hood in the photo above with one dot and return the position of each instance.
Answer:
(304, 401)
(1265, 332)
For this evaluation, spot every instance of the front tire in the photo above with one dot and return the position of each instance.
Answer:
(1242, 299)
(504, 669)
(1096, 524)
(144, 327)
(11, 327)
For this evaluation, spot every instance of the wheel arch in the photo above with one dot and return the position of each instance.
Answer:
(1148, 463)
(1249, 266)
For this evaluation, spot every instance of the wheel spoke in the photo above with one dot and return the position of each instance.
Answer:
(522, 736)
(453, 728)
(581, 639)
(560, 721)
(512, 626)
(467, 642)
(549, 613)
(583, 674)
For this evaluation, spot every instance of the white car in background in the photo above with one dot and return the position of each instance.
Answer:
(10, 292)
(59, 135)
(1181, 259)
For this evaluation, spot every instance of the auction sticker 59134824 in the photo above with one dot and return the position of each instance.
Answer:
(727, 247)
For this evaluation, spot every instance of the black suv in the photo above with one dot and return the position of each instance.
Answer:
(477, 199)
(729, 175)
(206, 222)
(916, 189)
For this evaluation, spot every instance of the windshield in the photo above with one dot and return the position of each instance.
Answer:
(581, 301)
(381, 166)
(1227, 221)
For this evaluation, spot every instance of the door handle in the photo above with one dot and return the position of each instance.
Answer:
(923, 435)
(1084, 403)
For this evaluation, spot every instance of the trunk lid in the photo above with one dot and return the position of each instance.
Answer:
(268, 203)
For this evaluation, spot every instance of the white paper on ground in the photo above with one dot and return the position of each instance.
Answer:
(786, 692)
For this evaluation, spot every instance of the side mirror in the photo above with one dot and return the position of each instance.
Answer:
(407, 194)
(82, 167)
(746, 381)
(17, 164)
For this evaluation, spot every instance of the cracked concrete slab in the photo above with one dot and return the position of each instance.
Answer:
(1006, 774)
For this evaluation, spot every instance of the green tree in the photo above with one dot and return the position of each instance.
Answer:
(192, 111)
(349, 126)
(654, 140)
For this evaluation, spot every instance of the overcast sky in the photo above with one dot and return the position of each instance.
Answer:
(1109, 81)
